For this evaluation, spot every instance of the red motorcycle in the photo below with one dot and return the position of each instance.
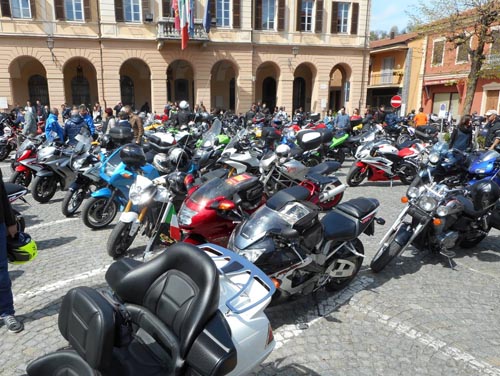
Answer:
(26, 153)
(211, 211)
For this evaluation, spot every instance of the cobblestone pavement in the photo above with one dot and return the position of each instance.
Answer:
(419, 317)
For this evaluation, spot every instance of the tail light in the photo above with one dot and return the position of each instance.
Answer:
(270, 335)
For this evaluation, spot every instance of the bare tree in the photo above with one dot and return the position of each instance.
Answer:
(463, 23)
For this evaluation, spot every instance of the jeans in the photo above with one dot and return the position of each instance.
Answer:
(6, 300)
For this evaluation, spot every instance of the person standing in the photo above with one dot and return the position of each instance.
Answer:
(52, 125)
(421, 118)
(493, 126)
(84, 113)
(461, 138)
(136, 123)
(342, 120)
(8, 227)
(30, 127)
(73, 126)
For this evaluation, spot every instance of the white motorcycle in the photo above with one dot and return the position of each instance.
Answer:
(190, 311)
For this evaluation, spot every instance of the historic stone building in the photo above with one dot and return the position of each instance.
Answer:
(304, 53)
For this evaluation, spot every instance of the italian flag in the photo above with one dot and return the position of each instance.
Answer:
(184, 16)
(175, 231)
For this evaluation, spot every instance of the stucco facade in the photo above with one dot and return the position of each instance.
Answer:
(104, 58)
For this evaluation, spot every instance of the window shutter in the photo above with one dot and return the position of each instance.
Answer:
(166, 11)
(258, 15)
(146, 9)
(86, 10)
(335, 15)
(213, 12)
(118, 10)
(59, 8)
(236, 14)
(299, 11)
(354, 18)
(281, 15)
(319, 16)
(5, 6)
(33, 8)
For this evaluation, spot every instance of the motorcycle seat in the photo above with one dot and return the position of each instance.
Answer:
(407, 144)
(359, 207)
(294, 193)
(320, 179)
(325, 168)
(354, 139)
(337, 226)
(13, 189)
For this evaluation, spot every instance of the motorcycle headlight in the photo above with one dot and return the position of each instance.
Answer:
(413, 192)
(251, 254)
(427, 203)
(142, 191)
(186, 215)
(434, 158)
(442, 211)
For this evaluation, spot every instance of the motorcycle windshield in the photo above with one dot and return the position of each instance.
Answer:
(484, 162)
(212, 189)
(210, 136)
(239, 136)
(27, 142)
(441, 148)
(257, 226)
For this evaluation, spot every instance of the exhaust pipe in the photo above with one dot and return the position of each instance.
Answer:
(327, 196)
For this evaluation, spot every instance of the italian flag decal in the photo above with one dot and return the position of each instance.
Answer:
(175, 231)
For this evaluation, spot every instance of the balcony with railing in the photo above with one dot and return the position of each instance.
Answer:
(393, 78)
(166, 30)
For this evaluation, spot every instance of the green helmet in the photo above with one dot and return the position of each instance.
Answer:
(21, 248)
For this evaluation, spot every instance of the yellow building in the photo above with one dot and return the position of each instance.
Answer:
(303, 53)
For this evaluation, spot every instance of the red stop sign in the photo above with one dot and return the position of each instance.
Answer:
(396, 101)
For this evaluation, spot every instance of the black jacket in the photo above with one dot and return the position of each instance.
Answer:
(493, 132)
(6, 214)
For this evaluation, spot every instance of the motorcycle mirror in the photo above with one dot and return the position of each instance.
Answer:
(237, 199)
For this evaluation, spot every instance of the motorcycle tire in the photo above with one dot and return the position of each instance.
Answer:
(93, 215)
(338, 155)
(338, 283)
(384, 256)
(312, 161)
(4, 153)
(333, 202)
(355, 177)
(120, 240)
(72, 201)
(407, 173)
(21, 178)
(44, 188)
(403, 138)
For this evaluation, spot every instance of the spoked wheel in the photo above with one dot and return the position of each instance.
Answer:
(120, 240)
(403, 138)
(356, 176)
(44, 188)
(407, 172)
(72, 201)
(334, 201)
(21, 177)
(94, 214)
(346, 265)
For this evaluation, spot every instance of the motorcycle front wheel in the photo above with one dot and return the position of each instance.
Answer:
(385, 255)
(355, 176)
(4, 152)
(44, 188)
(337, 154)
(93, 214)
(72, 201)
(407, 173)
(347, 268)
(120, 240)
(21, 177)
(403, 137)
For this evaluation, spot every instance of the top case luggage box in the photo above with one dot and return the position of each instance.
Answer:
(312, 138)
(161, 142)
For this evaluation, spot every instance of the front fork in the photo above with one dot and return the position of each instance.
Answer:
(131, 217)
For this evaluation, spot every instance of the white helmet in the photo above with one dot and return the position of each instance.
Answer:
(283, 151)
(184, 105)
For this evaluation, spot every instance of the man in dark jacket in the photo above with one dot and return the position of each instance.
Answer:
(73, 127)
(8, 227)
(493, 125)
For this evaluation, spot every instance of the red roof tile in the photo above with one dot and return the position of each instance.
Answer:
(398, 39)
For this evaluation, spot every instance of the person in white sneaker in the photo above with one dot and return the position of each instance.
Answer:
(8, 227)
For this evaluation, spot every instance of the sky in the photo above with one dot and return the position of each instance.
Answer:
(386, 14)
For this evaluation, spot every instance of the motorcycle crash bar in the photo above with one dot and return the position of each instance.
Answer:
(327, 196)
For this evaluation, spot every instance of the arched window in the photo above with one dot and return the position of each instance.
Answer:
(38, 89)
(127, 91)
(80, 90)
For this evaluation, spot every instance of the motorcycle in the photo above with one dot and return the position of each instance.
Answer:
(382, 161)
(118, 172)
(241, 155)
(26, 154)
(8, 141)
(58, 168)
(14, 192)
(152, 206)
(189, 311)
(440, 218)
(300, 252)
(209, 149)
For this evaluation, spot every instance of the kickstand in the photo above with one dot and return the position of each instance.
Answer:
(449, 255)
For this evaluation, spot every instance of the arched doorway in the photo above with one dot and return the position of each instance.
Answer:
(80, 82)
(266, 83)
(180, 82)
(223, 86)
(338, 91)
(28, 80)
(303, 82)
(135, 83)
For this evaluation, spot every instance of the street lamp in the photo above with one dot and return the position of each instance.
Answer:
(50, 46)
(295, 51)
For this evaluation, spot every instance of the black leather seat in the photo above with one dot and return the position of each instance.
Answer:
(12, 188)
(359, 207)
(294, 193)
(321, 179)
(339, 227)
(325, 168)
(407, 144)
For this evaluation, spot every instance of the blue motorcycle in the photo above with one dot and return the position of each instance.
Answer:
(486, 165)
(119, 171)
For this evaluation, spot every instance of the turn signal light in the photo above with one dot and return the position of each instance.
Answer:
(277, 282)
(436, 222)
(127, 176)
(404, 200)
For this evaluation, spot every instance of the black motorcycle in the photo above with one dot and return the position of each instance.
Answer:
(438, 218)
(287, 240)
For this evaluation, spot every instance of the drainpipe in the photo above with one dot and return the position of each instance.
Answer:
(100, 52)
(366, 54)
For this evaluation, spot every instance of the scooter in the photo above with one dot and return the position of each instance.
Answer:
(189, 311)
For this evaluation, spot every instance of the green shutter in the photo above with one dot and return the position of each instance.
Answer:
(354, 18)
(335, 15)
